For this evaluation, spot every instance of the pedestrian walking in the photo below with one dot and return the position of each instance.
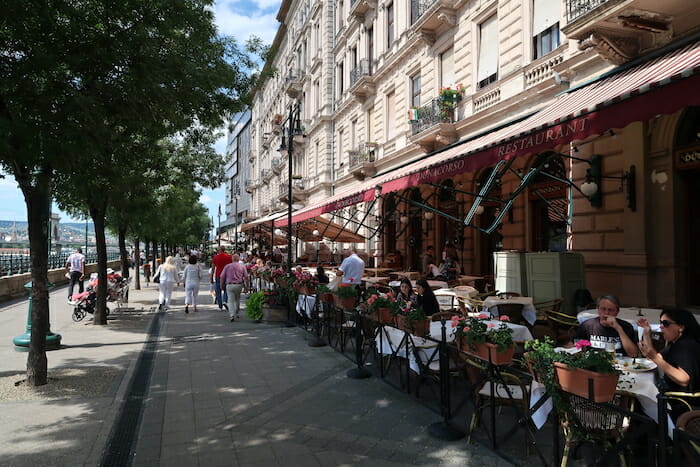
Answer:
(235, 276)
(75, 265)
(167, 276)
(219, 261)
(147, 272)
(191, 277)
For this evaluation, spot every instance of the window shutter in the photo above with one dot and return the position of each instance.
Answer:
(488, 48)
(447, 68)
(546, 13)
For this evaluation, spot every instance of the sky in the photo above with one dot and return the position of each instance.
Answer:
(234, 18)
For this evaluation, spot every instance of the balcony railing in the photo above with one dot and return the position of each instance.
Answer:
(578, 8)
(363, 68)
(365, 152)
(276, 164)
(418, 7)
(436, 111)
(265, 174)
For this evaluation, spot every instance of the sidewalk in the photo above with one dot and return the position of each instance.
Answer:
(221, 393)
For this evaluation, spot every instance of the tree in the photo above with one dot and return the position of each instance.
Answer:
(82, 86)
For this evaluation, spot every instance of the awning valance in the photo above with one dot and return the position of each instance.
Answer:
(266, 220)
(636, 93)
(327, 229)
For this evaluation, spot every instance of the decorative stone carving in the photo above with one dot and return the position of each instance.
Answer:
(615, 49)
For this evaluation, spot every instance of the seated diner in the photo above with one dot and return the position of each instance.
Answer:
(680, 360)
(426, 298)
(607, 330)
(406, 296)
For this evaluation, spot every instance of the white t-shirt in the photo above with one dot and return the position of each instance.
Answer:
(76, 261)
(353, 267)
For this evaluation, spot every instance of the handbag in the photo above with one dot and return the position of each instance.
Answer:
(156, 278)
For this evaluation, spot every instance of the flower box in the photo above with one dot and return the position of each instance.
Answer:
(417, 328)
(576, 381)
(326, 297)
(384, 316)
(487, 351)
(346, 303)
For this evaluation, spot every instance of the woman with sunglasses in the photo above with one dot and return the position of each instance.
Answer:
(680, 360)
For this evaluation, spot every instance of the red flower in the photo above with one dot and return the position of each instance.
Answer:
(504, 318)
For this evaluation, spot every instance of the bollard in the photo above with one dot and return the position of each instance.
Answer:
(53, 341)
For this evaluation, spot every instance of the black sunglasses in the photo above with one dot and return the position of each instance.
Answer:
(666, 323)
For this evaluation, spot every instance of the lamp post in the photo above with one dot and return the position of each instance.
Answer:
(235, 213)
(286, 149)
(218, 229)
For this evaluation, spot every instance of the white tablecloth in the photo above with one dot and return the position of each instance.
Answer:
(529, 312)
(389, 338)
(305, 304)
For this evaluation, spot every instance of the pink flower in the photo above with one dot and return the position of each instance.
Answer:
(583, 343)
(455, 321)
(390, 294)
(504, 318)
(483, 316)
(491, 325)
(371, 299)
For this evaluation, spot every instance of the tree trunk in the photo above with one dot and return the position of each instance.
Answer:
(123, 254)
(36, 188)
(98, 219)
(137, 264)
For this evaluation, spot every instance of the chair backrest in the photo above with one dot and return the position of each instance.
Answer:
(446, 301)
(508, 294)
(514, 311)
(470, 305)
(690, 422)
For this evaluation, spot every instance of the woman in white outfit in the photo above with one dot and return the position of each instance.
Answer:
(167, 274)
(191, 277)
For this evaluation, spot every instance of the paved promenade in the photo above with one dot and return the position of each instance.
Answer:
(219, 393)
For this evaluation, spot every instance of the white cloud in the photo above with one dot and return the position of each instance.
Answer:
(233, 20)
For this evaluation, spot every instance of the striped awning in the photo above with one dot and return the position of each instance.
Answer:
(627, 94)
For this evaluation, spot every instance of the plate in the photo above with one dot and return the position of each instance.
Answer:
(639, 365)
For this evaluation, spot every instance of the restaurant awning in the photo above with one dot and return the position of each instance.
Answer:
(266, 220)
(326, 228)
(635, 92)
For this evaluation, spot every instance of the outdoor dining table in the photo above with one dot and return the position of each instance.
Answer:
(391, 341)
(639, 384)
(375, 280)
(305, 304)
(411, 275)
(431, 283)
(529, 312)
(469, 280)
(377, 271)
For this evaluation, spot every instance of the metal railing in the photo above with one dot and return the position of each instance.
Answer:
(418, 7)
(436, 111)
(18, 263)
(363, 68)
(363, 153)
(578, 8)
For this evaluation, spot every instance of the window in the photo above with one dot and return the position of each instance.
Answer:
(370, 124)
(447, 68)
(487, 71)
(415, 91)
(390, 116)
(341, 7)
(340, 78)
(545, 27)
(317, 95)
(370, 45)
(389, 25)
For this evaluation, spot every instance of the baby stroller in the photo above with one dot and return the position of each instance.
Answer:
(117, 291)
(84, 302)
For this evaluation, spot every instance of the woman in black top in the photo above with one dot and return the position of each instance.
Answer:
(426, 298)
(680, 360)
(321, 275)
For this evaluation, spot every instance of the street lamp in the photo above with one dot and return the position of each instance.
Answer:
(235, 213)
(286, 149)
(218, 230)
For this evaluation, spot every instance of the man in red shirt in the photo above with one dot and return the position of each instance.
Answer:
(219, 261)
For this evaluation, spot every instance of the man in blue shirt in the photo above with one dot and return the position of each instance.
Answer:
(352, 268)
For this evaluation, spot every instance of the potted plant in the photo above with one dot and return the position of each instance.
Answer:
(305, 283)
(273, 310)
(382, 307)
(483, 340)
(254, 306)
(345, 296)
(413, 319)
(325, 294)
(589, 373)
(451, 95)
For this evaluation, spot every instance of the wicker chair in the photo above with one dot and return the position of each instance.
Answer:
(562, 326)
(690, 423)
(508, 294)
(601, 425)
(470, 305)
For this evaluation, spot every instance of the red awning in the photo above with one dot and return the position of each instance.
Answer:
(659, 86)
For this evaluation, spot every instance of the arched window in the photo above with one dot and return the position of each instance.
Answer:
(549, 204)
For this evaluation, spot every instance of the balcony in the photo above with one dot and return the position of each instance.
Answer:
(276, 165)
(361, 82)
(620, 30)
(266, 140)
(266, 175)
(299, 190)
(250, 185)
(362, 161)
(293, 83)
(432, 125)
(359, 8)
(433, 17)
